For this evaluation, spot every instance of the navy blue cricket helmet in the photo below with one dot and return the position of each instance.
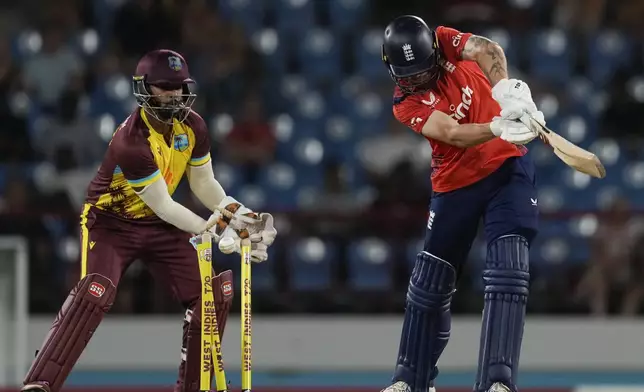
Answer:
(411, 53)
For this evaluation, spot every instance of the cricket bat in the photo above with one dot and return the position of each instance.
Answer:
(572, 155)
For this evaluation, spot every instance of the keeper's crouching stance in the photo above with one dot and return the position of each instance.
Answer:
(129, 214)
(453, 89)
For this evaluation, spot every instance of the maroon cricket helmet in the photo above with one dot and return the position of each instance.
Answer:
(167, 70)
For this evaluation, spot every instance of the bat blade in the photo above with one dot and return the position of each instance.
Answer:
(574, 156)
(571, 154)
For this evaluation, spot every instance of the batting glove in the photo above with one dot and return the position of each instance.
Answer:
(515, 98)
(513, 131)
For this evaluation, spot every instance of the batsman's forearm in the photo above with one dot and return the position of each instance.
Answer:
(205, 186)
(492, 62)
(469, 135)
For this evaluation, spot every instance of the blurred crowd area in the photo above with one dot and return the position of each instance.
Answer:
(299, 108)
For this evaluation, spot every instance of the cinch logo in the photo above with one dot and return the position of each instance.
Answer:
(457, 39)
(462, 109)
(96, 289)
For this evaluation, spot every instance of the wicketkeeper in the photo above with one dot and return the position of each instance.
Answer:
(129, 214)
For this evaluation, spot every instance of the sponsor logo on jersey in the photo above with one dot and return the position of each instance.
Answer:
(462, 109)
(457, 39)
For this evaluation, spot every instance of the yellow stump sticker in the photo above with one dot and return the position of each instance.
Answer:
(210, 341)
(246, 317)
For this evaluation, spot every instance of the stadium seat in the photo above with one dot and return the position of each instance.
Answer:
(633, 176)
(367, 53)
(293, 17)
(308, 152)
(607, 51)
(551, 198)
(272, 48)
(252, 196)
(550, 250)
(577, 129)
(310, 106)
(311, 264)
(509, 42)
(370, 111)
(580, 250)
(339, 139)
(279, 181)
(412, 249)
(370, 265)
(345, 15)
(319, 55)
(249, 13)
(229, 176)
(263, 274)
(551, 56)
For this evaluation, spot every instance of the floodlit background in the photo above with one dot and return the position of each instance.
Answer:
(299, 108)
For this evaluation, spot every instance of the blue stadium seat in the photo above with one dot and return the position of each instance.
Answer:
(579, 250)
(252, 196)
(279, 181)
(412, 249)
(308, 154)
(346, 15)
(367, 52)
(371, 112)
(230, 177)
(340, 138)
(272, 48)
(101, 9)
(554, 228)
(551, 56)
(551, 198)
(578, 130)
(309, 107)
(370, 265)
(509, 42)
(294, 16)
(607, 51)
(311, 264)
(263, 274)
(633, 176)
(550, 250)
(249, 13)
(319, 55)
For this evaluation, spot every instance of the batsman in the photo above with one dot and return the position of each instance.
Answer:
(130, 214)
(453, 89)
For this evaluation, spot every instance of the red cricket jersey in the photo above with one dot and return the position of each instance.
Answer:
(464, 93)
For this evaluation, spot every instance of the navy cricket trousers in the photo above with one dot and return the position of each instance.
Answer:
(506, 201)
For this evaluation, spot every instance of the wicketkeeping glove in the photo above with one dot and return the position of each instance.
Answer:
(261, 236)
